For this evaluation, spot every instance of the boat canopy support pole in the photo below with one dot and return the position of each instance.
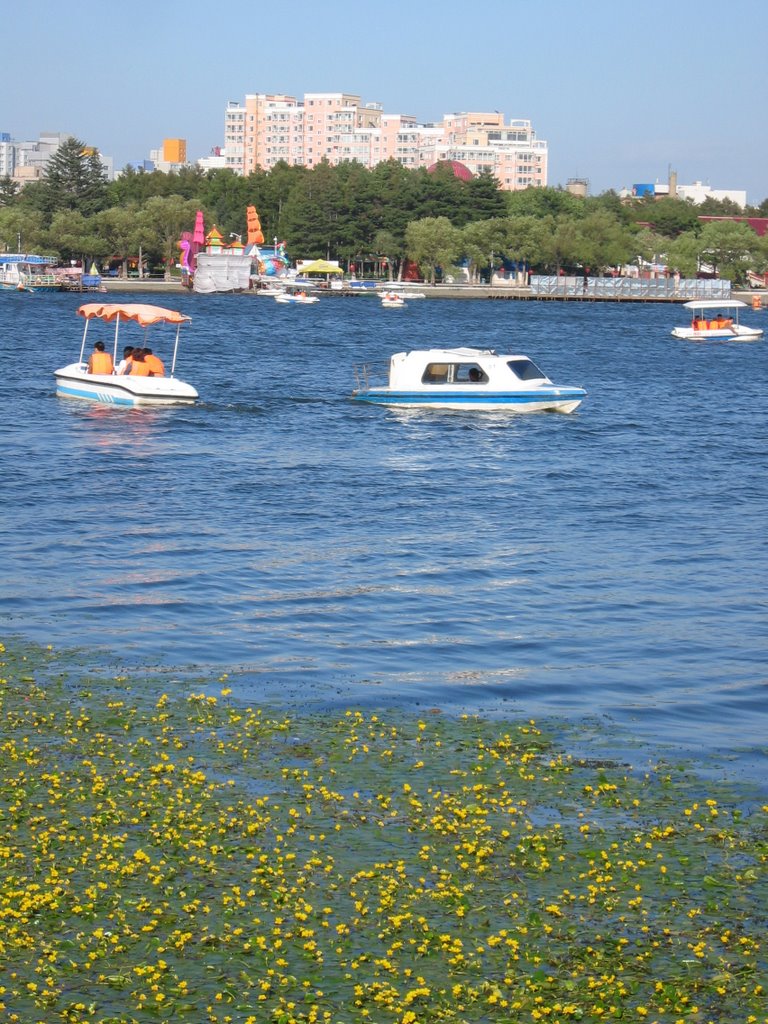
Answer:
(114, 351)
(82, 346)
(175, 348)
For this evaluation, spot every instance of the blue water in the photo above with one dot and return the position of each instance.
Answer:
(606, 566)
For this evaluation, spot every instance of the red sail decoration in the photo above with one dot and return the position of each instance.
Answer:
(255, 236)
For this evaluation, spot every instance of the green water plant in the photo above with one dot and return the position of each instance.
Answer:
(170, 853)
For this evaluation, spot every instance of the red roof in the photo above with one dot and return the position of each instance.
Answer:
(459, 170)
(758, 224)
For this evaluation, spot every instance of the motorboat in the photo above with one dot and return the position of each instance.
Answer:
(74, 381)
(716, 320)
(465, 378)
(407, 291)
(300, 298)
(392, 300)
(24, 272)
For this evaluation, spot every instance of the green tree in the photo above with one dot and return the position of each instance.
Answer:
(561, 243)
(9, 191)
(485, 199)
(123, 232)
(668, 216)
(433, 242)
(385, 244)
(72, 236)
(21, 230)
(74, 179)
(482, 238)
(604, 241)
(163, 219)
(731, 248)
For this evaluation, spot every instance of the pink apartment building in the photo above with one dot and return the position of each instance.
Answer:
(338, 127)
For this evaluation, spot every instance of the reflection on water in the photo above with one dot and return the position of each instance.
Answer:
(608, 563)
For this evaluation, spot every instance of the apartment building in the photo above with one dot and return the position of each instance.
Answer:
(338, 127)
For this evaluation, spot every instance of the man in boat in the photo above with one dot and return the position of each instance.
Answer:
(125, 362)
(100, 361)
(154, 363)
(139, 367)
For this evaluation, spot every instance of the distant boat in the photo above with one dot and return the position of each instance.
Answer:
(25, 272)
(716, 320)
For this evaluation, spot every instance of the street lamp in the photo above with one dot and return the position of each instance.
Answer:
(490, 278)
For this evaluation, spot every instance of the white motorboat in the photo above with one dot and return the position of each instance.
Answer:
(466, 378)
(716, 320)
(296, 298)
(74, 381)
(392, 300)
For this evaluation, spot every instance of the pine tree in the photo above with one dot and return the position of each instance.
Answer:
(74, 179)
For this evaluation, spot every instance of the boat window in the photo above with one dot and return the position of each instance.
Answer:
(436, 373)
(469, 373)
(524, 369)
(454, 373)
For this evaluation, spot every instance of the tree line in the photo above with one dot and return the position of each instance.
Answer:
(349, 212)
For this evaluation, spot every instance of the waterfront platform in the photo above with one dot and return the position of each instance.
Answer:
(496, 293)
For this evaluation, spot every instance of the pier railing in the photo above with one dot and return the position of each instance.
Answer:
(630, 288)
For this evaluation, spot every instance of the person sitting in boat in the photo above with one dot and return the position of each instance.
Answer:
(100, 361)
(125, 362)
(139, 368)
(475, 375)
(721, 320)
(154, 363)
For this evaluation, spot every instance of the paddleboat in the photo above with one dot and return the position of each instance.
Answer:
(465, 378)
(299, 298)
(392, 300)
(74, 381)
(716, 320)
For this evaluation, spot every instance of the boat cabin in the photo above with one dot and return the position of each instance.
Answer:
(464, 367)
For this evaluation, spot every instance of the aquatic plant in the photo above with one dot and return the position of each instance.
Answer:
(177, 855)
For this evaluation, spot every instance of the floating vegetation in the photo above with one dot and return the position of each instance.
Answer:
(172, 856)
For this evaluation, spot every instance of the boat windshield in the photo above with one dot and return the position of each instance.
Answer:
(524, 369)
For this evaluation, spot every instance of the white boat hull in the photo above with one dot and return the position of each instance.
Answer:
(564, 400)
(737, 332)
(73, 382)
(299, 300)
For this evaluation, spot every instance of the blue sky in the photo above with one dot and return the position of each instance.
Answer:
(622, 92)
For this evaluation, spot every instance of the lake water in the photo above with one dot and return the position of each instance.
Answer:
(607, 566)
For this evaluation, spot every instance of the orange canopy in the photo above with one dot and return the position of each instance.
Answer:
(142, 314)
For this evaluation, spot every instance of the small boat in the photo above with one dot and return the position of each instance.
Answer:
(24, 272)
(392, 300)
(296, 297)
(716, 320)
(74, 381)
(400, 288)
(466, 378)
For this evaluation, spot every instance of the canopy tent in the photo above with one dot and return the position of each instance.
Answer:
(142, 314)
(321, 267)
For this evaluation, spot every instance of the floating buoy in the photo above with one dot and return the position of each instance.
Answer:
(757, 302)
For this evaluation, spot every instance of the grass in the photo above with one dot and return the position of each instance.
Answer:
(183, 857)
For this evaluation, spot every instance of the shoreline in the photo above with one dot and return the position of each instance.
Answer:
(494, 293)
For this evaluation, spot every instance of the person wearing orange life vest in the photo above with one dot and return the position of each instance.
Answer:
(154, 363)
(99, 360)
(139, 367)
